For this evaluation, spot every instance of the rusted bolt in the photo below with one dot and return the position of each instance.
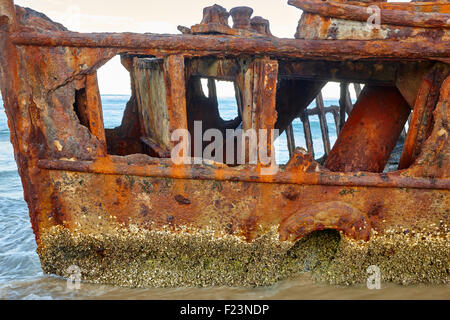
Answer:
(182, 200)
(290, 195)
(261, 25)
(241, 17)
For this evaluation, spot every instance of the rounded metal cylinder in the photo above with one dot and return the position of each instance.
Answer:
(371, 132)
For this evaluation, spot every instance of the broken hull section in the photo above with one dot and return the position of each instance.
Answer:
(113, 203)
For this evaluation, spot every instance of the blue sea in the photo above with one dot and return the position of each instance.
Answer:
(21, 276)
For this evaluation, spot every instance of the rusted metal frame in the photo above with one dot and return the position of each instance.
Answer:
(414, 6)
(358, 13)
(258, 85)
(290, 140)
(371, 132)
(347, 71)
(335, 111)
(323, 124)
(137, 88)
(304, 117)
(123, 167)
(94, 110)
(349, 101)
(343, 105)
(212, 89)
(211, 67)
(238, 95)
(421, 118)
(169, 102)
(331, 109)
(174, 77)
(224, 45)
(315, 27)
(321, 111)
(152, 112)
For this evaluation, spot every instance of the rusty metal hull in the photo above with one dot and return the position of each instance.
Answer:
(112, 203)
(145, 231)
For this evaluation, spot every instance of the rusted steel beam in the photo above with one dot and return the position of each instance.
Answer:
(316, 27)
(422, 117)
(175, 82)
(442, 6)
(225, 45)
(161, 95)
(323, 124)
(357, 13)
(221, 69)
(94, 110)
(258, 85)
(348, 71)
(238, 95)
(290, 140)
(334, 110)
(371, 132)
(151, 100)
(435, 154)
(373, 72)
(162, 168)
(307, 131)
(343, 106)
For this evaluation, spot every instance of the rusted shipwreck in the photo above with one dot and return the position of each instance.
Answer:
(113, 203)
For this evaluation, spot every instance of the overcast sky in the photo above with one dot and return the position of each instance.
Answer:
(157, 17)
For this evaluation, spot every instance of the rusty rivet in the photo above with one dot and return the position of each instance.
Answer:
(182, 200)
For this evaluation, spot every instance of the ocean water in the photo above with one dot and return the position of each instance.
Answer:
(21, 276)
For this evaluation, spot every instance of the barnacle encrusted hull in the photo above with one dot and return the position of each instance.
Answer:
(139, 258)
(136, 231)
